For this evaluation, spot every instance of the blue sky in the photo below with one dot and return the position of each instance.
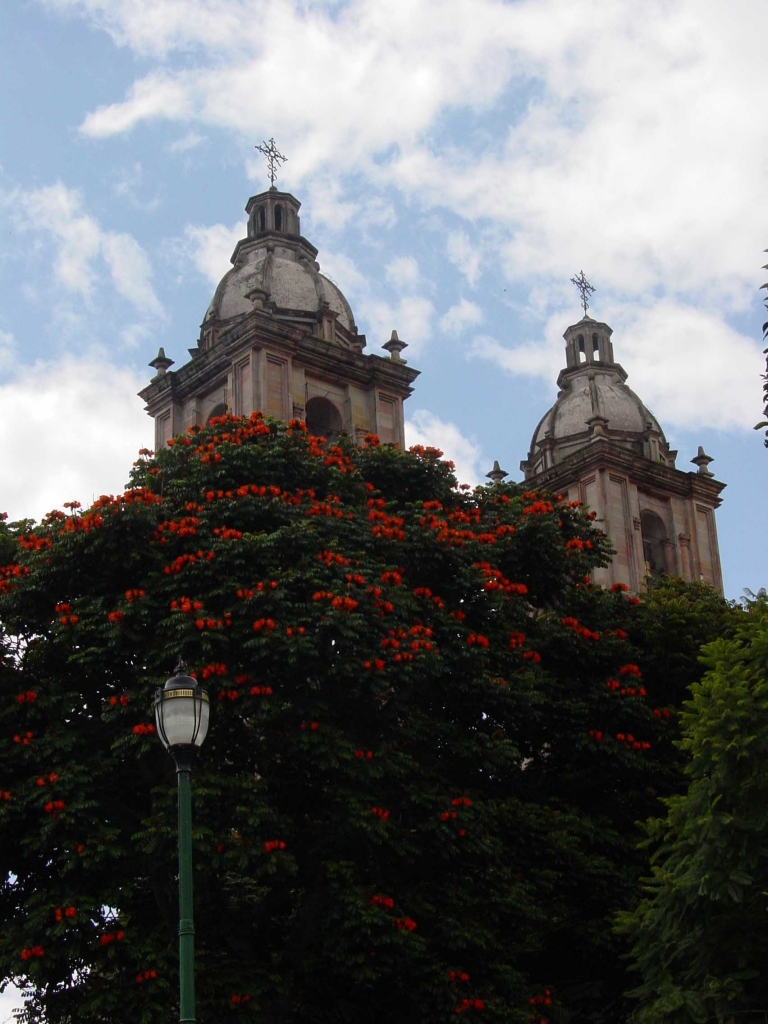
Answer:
(458, 161)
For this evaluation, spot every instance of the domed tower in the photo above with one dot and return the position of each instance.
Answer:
(599, 444)
(280, 337)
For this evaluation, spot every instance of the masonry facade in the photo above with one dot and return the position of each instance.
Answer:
(600, 445)
(280, 337)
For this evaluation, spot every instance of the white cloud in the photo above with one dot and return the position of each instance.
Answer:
(189, 141)
(411, 317)
(211, 248)
(7, 349)
(425, 428)
(687, 364)
(460, 316)
(464, 256)
(131, 271)
(69, 430)
(80, 241)
(403, 272)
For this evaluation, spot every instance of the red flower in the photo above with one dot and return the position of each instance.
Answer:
(380, 812)
(406, 924)
(273, 844)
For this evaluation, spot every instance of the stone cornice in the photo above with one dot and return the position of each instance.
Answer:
(647, 475)
(257, 330)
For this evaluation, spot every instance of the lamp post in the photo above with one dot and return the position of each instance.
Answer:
(182, 712)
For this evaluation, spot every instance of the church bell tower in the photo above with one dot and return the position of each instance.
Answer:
(600, 445)
(280, 337)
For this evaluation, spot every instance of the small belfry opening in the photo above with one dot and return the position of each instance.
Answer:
(323, 418)
(654, 543)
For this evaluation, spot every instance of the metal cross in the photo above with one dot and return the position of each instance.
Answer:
(585, 289)
(274, 158)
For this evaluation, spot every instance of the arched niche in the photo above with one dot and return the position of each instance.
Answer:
(655, 543)
(323, 418)
(217, 410)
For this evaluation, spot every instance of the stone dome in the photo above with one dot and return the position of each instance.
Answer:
(594, 402)
(275, 270)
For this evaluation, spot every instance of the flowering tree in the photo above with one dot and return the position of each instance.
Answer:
(430, 742)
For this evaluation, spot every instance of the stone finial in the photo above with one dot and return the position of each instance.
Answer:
(161, 362)
(497, 474)
(394, 346)
(702, 460)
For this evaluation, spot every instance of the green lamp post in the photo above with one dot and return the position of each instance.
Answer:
(182, 712)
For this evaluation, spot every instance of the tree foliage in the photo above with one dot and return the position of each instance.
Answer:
(430, 742)
(701, 942)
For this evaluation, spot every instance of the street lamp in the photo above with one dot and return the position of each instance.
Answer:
(182, 712)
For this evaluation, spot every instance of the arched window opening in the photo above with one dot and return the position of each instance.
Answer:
(323, 418)
(595, 347)
(217, 410)
(262, 219)
(278, 218)
(582, 351)
(654, 543)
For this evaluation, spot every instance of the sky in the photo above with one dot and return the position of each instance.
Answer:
(458, 161)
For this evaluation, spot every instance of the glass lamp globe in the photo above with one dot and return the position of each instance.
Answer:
(182, 712)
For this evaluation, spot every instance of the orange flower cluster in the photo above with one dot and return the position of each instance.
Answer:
(382, 901)
(60, 914)
(178, 564)
(630, 670)
(533, 656)
(626, 691)
(82, 524)
(267, 625)
(148, 975)
(471, 1004)
(516, 640)
(596, 735)
(332, 558)
(495, 580)
(392, 577)
(545, 999)
(239, 1000)
(5, 795)
(390, 527)
(448, 815)
(109, 937)
(406, 924)
(336, 459)
(426, 452)
(313, 726)
(478, 639)
(184, 527)
(134, 595)
(619, 588)
(226, 533)
(454, 976)
(143, 729)
(122, 700)
(326, 508)
(44, 781)
(116, 616)
(29, 697)
(427, 594)
(299, 631)
(620, 634)
(660, 713)
(367, 754)
(9, 572)
(630, 741)
(214, 669)
(29, 542)
(578, 629)
(25, 739)
(461, 801)
(538, 508)
(65, 618)
(577, 544)
(31, 952)
(380, 812)
(418, 638)
(261, 691)
(228, 695)
(273, 844)
(54, 807)
(214, 623)
(377, 665)
(344, 604)
(186, 605)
